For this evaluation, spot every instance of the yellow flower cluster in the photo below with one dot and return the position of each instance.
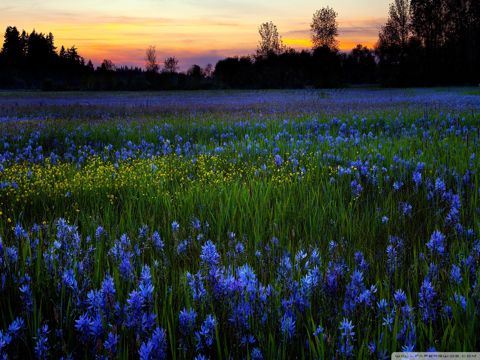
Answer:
(154, 177)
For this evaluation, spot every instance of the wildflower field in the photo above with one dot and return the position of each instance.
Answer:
(245, 225)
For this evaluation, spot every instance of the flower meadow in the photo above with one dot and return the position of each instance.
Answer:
(254, 231)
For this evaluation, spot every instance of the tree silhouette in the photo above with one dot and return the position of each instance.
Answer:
(170, 65)
(208, 71)
(13, 48)
(270, 42)
(393, 42)
(324, 28)
(195, 71)
(151, 60)
(359, 66)
(396, 32)
(107, 66)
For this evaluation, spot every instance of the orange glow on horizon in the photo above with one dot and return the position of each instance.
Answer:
(123, 35)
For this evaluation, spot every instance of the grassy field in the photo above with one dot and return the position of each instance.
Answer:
(297, 224)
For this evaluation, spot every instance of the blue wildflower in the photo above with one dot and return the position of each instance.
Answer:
(408, 348)
(461, 300)
(239, 248)
(440, 187)
(143, 232)
(187, 319)
(111, 343)
(347, 336)
(175, 226)
(12, 255)
(134, 310)
(126, 269)
(82, 325)
(256, 354)
(96, 327)
(453, 216)
(427, 305)
(206, 335)
(278, 160)
(146, 350)
(69, 280)
(436, 244)
(353, 291)
(287, 326)
(155, 348)
(182, 247)
(196, 224)
(99, 232)
(417, 178)
(26, 296)
(15, 327)
(209, 255)
(388, 319)
(108, 293)
(357, 188)
(196, 285)
(42, 347)
(456, 274)
(400, 297)
(319, 331)
(382, 305)
(397, 185)
(19, 232)
(406, 208)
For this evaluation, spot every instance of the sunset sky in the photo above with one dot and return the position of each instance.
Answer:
(192, 30)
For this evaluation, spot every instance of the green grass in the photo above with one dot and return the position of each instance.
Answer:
(304, 210)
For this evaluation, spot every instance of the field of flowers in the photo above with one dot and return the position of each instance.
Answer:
(255, 225)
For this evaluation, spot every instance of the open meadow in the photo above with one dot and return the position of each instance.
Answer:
(239, 224)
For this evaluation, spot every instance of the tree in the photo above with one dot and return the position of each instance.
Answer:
(195, 71)
(396, 31)
(13, 49)
(151, 60)
(170, 65)
(89, 66)
(73, 56)
(324, 28)
(270, 42)
(396, 47)
(208, 71)
(359, 66)
(107, 66)
(429, 22)
(40, 53)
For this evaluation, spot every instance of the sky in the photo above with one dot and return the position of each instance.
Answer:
(194, 31)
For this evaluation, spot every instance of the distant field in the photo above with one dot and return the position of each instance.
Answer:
(239, 224)
(245, 103)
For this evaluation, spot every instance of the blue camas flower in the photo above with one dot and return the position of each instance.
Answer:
(347, 337)
(436, 244)
(427, 301)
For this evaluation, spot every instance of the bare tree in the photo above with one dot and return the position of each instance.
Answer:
(170, 65)
(324, 28)
(151, 60)
(270, 41)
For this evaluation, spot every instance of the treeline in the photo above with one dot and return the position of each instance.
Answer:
(430, 42)
(321, 67)
(31, 61)
(423, 43)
